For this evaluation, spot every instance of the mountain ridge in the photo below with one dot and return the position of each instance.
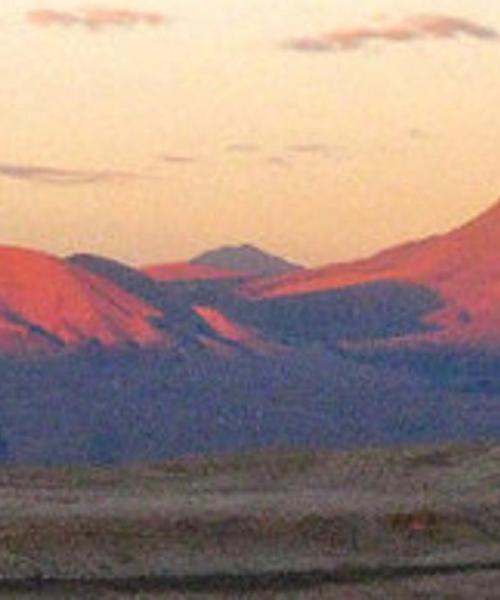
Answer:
(126, 367)
(462, 266)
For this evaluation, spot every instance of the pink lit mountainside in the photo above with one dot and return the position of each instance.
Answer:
(102, 362)
(461, 267)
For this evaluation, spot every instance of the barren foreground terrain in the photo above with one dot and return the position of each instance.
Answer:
(421, 522)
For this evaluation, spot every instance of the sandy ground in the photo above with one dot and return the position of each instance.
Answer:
(412, 523)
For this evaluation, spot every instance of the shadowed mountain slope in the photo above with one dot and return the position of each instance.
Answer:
(186, 271)
(183, 313)
(145, 405)
(132, 280)
(462, 268)
(373, 310)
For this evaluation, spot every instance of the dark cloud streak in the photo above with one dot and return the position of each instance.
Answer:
(278, 161)
(63, 176)
(95, 19)
(242, 148)
(308, 149)
(173, 158)
(411, 29)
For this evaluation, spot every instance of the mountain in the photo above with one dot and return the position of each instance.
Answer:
(185, 271)
(46, 303)
(126, 277)
(461, 269)
(183, 313)
(245, 259)
(399, 348)
(143, 406)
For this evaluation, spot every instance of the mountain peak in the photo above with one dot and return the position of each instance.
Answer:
(246, 258)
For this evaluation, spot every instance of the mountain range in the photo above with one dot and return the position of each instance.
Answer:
(236, 349)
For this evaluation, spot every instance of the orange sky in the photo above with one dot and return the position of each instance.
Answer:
(150, 131)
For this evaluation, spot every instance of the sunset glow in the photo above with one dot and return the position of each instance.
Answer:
(320, 130)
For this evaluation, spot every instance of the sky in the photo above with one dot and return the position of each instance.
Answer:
(320, 130)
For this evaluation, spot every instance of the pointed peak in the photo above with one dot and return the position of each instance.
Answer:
(246, 258)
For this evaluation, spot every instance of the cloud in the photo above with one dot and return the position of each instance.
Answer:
(308, 148)
(62, 176)
(175, 158)
(242, 148)
(95, 19)
(417, 134)
(418, 27)
(278, 161)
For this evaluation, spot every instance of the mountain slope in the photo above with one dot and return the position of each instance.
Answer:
(185, 271)
(462, 266)
(190, 323)
(126, 277)
(48, 303)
